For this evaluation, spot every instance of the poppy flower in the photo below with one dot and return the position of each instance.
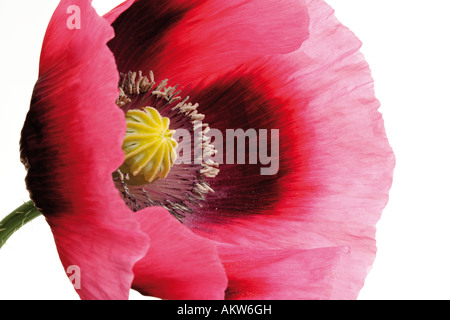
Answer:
(296, 221)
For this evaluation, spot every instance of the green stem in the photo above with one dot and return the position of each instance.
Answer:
(17, 219)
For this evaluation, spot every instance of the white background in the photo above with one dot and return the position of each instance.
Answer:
(406, 42)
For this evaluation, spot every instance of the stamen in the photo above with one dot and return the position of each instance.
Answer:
(150, 176)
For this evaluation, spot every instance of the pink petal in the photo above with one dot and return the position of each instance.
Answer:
(179, 264)
(258, 274)
(188, 40)
(117, 11)
(243, 100)
(71, 144)
(334, 179)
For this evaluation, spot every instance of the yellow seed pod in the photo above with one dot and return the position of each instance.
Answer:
(149, 146)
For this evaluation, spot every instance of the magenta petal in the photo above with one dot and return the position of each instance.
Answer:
(104, 252)
(179, 264)
(117, 11)
(71, 144)
(280, 274)
(335, 176)
(189, 40)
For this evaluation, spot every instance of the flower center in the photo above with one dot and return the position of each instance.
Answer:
(156, 171)
(149, 146)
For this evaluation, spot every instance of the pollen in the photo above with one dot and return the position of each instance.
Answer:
(149, 146)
